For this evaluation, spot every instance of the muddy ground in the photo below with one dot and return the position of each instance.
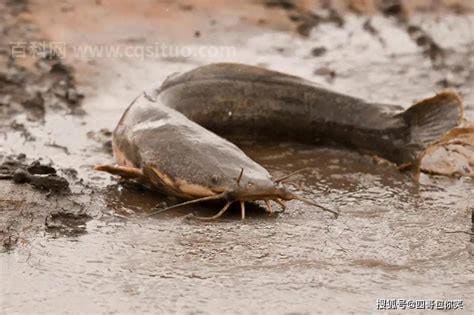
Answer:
(77, 241)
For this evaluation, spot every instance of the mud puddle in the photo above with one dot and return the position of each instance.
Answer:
(94, 250)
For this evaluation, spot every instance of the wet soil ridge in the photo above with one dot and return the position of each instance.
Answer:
(33, 77)
(34, 82)
(50, 85)
(304, 18)
(401, 12)
(62, 223)
(431, 49)
(40, 176)
(331, 12)
(49, 205)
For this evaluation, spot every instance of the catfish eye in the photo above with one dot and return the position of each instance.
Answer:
(249, 185)
(214, 179)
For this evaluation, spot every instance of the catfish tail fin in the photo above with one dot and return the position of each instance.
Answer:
(429, 120)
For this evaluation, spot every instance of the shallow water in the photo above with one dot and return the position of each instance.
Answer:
(389, 241)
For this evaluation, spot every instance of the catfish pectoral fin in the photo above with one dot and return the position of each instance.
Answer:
(123, 171)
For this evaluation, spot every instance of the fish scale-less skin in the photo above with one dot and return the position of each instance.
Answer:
(235, 99)
(282, 107)
(152, 135)
(168, 133)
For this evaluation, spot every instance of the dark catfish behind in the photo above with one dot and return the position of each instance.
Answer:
(237, 99)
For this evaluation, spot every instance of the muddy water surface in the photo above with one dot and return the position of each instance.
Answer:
(389, 242)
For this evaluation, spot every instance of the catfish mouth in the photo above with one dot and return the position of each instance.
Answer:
(255, 193)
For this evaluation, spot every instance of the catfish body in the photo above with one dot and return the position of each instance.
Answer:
(180, 157)
(236, 99)
(168, 136)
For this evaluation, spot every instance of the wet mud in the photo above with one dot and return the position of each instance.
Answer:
(78, 241)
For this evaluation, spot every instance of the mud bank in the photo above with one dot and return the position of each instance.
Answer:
(89, 248)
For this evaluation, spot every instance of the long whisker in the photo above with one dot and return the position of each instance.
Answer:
(242, 209)
(310, 202)
(216, 216)
(281, 203)
(280, 179)
(186, 203)
(269, 206)
(240, 176)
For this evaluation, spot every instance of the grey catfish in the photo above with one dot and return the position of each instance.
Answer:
(167, 136)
